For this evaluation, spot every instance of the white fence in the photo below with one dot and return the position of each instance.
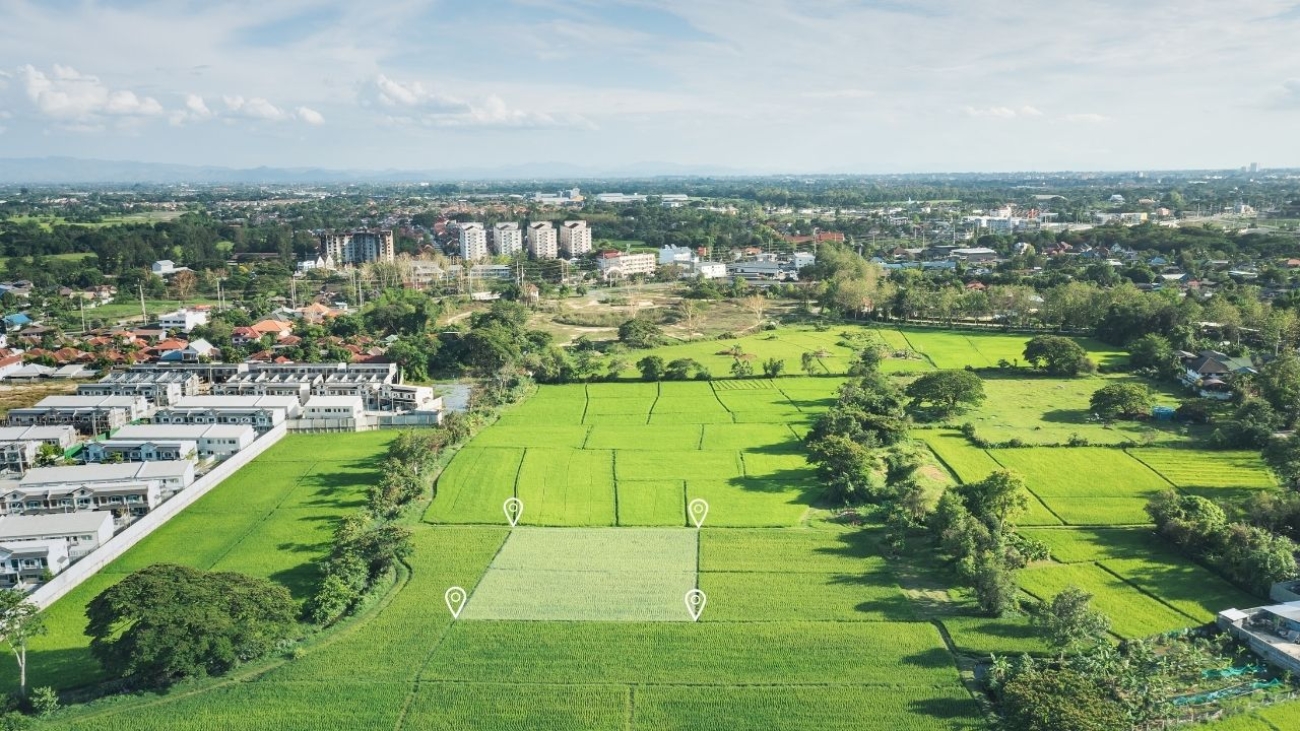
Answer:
(134, 533)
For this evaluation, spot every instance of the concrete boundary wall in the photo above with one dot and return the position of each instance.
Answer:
(137, 531)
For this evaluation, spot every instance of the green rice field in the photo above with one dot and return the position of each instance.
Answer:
(576, 617)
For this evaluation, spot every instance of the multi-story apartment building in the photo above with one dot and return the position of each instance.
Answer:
(575, 238)
(89, 414)
(473, 241)
(82, 532)
(542, 241)
(507, 239)
(357, 247)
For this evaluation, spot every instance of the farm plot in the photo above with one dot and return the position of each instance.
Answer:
(492, 707)
(865, 592)
(566, 487)
(1182, 584)
(642, 437)
(967, 462)
(1079, 545)
(631, 464)
(1086, 485)
(1038, 410)
(713, 653)
(732, 437)
(751, 502)
(510, 435)
(611, 574)
(1133, 614)
(474, 485)
(652, 502)
(1216, 474)
(904, 707)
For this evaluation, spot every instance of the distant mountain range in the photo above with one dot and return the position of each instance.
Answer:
(70, 170)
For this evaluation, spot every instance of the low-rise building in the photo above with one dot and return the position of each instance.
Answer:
(185, 319)
(18, 456)
(212, 440)
(616, 265)
(81, 532)
(171, 476)
(61, 437)
(161, 388)
(25, 564)
(290, 405)
(88, 414)
(124, 500)
(139, 450)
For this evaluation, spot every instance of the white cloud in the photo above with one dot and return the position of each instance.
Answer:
(310, 116)
(1289, 95)
(1003, 112)
(68, 95)
(414, 102)
(254, 108)
(1087, 118)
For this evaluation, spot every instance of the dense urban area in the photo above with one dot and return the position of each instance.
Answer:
(974, 451)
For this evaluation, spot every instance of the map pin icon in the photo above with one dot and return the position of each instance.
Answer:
(455, 598)
(699, 510)
(695, 601)
(514, 508)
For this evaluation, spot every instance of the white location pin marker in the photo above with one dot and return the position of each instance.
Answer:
(695, 601)
(514, 508)
(699, 510)
(455, 598)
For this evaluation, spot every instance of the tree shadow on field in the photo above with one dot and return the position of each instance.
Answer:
(935, 657)
(951, 710)
(1066, 416)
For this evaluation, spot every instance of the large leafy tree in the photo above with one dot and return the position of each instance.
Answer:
(166, 622)
(639, 333)
(946, 391)
(1070, 623)
(1122, 401)
(1058, 356)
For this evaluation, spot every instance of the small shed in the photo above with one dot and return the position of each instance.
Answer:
(1163, 413)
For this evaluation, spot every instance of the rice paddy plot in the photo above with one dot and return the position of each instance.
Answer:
(720, 416)
(687, 389)
(774, 416)
(967, 462)
(1208, 473)
(566, 487)
(800, 550)
(536, 413)
(606, 405)
(687, 406)
(1012, 634)
(1076, 472)
(645, 437)
(781, 467)
(633, 419)
(611, 574)
(1078, 545)
(732, 437)
(652, 502)
(715, 653)
(492, 707)
(1132, 613)
(748, 502)
(1037, 513)
(632, 464)
(866, 595)
(1098, 510)
(474, 485)
(901, 707)
(557, 435)
(1187, 587)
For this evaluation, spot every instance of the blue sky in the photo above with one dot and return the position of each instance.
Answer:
(752, 85)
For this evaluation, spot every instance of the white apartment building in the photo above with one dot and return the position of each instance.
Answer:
(542, 240)
(507, 239)
(139, 450)
(172, 477)
(575, 238)
(25, 563)
(121, 499)
(614, 265)
(56, 436)
(683, 255)
(184, 320)
(290, 405)
(473, 242)
(357, 247)
(710, 269)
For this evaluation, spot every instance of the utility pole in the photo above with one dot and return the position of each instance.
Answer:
(143, 312)
(83, 314)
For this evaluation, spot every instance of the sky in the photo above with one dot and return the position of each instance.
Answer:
(746, 86)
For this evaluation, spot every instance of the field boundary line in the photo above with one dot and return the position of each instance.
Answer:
(629, 722)
(519, 470)
(296, 483)
(586, 405)
(659, 391)
(1037, 497)
(1159, 474)
(912, 346)
(1144, 592)
(713, 387)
